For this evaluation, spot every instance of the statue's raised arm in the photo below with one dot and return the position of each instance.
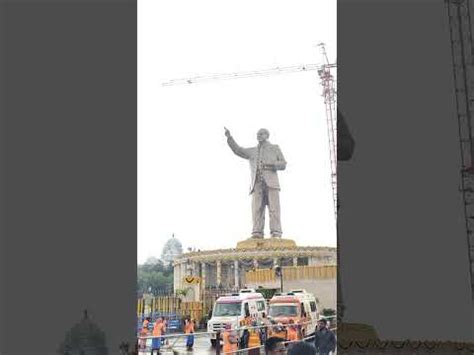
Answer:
(238, 150)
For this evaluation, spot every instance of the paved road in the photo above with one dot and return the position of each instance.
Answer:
(202, 345)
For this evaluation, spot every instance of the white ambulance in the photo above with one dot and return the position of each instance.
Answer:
(296, 305)
(233, 309)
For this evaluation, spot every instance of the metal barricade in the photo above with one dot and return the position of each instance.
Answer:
(170, 341)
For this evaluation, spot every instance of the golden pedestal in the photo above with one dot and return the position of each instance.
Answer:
(266, 243)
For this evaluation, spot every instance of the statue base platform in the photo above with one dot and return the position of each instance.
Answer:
(266, 243)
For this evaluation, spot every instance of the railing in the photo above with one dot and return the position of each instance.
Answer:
(311, 272)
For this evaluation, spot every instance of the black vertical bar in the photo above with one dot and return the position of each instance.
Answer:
(468, 10)
(218, 342)
(468, 113)
(465, 81)
(68, 156)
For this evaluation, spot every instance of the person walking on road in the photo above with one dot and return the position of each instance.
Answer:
(230, 340)
(303, 325)
(279, 330)
(157, 334)
(292, 331)
(245, 325)
(324, 339)
(189, 330)
(254, 340)
(266, 324)
(164, 330)
(144, 332)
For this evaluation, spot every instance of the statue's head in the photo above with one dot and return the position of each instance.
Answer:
(262, 135)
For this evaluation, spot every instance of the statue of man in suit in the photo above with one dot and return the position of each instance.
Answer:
(265, 160)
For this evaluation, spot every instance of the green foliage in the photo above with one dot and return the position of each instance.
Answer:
(267, 293)
(155, 276)
(327, 312)
(182, 291)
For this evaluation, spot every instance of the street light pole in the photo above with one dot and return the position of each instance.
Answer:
(279, 273)
(281, 281)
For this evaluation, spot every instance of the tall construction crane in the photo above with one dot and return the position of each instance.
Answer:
(459, 16)
(328, 92)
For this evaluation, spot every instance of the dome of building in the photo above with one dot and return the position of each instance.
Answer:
(84, 338)
(171, 250)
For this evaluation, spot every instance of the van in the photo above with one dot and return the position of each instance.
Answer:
(293, 306)
(232, 309)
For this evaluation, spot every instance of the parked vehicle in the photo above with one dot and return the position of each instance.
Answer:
(234, 309)
(296, 305)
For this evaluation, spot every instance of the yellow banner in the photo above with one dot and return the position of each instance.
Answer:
(192, 280)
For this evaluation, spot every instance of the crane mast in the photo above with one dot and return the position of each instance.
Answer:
(329, 94)
(459, 17)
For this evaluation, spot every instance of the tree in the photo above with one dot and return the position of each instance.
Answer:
(328, 312)
(267, 293)
(155, 278)
(182, 291)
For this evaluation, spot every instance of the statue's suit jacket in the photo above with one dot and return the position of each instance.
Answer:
(271, 155)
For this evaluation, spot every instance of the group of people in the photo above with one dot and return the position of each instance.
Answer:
(276, 338)
(324, 343)
(159, 330)
(255, 335)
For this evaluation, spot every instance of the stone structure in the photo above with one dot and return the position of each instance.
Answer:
(84, 338)
(226, 268)
(265, 160)
(320, 280)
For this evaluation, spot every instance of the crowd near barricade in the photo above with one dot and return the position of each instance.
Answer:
(246, 340)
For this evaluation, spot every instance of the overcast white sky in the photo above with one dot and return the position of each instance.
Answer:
(189, 182)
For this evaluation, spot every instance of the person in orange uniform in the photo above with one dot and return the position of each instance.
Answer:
(144, 332)
(189, 329)
(279, 331)
(245, 324)
(303, 324)
(164, 330)
(230, 340)
(271, 328)
(157, 333)
(265, 330)
(254, 340)
(292, 331)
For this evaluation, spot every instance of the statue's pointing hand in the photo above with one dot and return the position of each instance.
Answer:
(227, 133)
